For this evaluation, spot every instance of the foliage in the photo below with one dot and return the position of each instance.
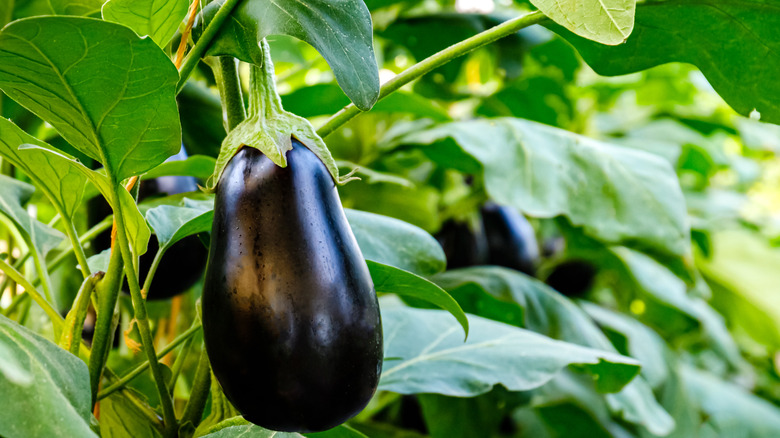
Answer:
(635, 136)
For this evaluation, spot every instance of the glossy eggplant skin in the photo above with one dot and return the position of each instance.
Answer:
(290, 316)
(511, 238)
(183, 264)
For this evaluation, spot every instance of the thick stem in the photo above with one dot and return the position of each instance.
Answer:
(264, 99)
(139, 307)
(229, 82)
(200, 391)
(74, 323)
(434, 61)
(122, 382)
(204, 42)
(107, 293)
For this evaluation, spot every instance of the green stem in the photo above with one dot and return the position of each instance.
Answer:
(40, 267)
(152, 270)
(76, 247)
(16, 276)
(229, 82)
(74, 323)
(139, 307)
(124, 380)
(201, 385)
(204, 42)
(434, 61)
(107, 293)
(178, 364)
(17, 264)
(17, 301)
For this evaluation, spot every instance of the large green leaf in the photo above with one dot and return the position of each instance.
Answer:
(667, 300)
(616, 194)
(252, 431)
(603, 21)
(56, 402)
(62, 184)
(157, 18)
(425, 353)
(109, 93)
(13, 194)
(120, 418)
(514, 298)
(137, 231)
(172, 223)
(396, 243)
(340, 30)
(388, 279)
(729, 407)
(733, 42)
(634, 339)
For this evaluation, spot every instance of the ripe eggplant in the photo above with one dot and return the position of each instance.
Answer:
(463, 244)
(290, 316)
(511, 239)
(183, 263)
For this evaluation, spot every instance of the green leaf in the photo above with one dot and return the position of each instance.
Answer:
(733, 42)
(396, 243)
(637, 340)
(171, 223)
(427, 355)
(603, 21)
(616, 194)
(388, 279)
(515, 298)
(729, 407)
(58, 403)
(341, 31)
(252, 431)
(667, 299)
(121, 418)
(11, 369)
(742, 269)
(157, 18)
(138, 232)
(13, 194)
(75, 7)
(63, 185)
(199, 166)
(108, 92)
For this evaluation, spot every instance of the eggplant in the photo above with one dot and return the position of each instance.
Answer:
(572, 278)
(464, 245)
(290, 316)
(183, 263)
(511, 238)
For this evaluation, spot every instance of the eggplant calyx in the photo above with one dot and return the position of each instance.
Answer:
(270, 129)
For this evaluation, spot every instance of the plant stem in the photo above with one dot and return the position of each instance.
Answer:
(152, 270)
(201, 385)
(434, 61)
(74, 323)
(204, 42)
(16, 276)
(75, 243)
(226, 74)
(124, 380)
(43, 275)
(178, 364)
(107, 293)
(139, 307)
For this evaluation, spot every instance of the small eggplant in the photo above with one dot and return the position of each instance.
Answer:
(290, 316)
(511, 238)
(183, 264)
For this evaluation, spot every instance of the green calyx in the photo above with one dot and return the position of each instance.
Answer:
(269, 128)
